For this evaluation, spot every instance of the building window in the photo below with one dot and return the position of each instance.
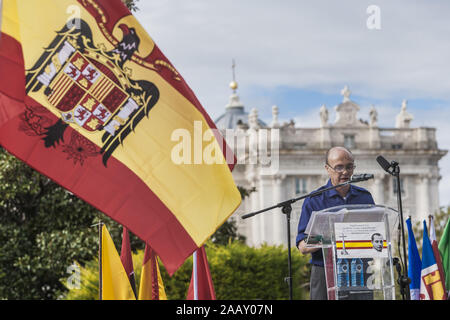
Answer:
(349, 141)
(300, 186)
(397, 146)
(394, 186)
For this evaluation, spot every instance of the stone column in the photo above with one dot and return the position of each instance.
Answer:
(253, 238)
(434, 194)
(423, 197)
(374, 138)
(278, 219)
(263, 219)
(253, 224)
(378, 188)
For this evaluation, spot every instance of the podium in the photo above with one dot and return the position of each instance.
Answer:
(356, 247)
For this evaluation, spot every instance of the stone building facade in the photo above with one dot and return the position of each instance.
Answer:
(290, 162)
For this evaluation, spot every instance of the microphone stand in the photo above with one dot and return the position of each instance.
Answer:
(286, 208)
(393, 169)
(403, 280)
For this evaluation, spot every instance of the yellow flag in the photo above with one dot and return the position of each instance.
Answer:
(115, 283)
(151, 286)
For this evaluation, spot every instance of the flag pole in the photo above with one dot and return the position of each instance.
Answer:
(100, 278)
(195, 275)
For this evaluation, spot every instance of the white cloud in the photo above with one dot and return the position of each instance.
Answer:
(316, 45)
(312, 45)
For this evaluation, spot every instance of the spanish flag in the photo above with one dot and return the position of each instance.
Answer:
(114, 279)
(89, 100)
(151, 286)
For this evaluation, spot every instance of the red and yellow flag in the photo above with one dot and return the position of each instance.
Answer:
(88, 99)
(201, 286)
(114, 282)
(151, 286)
(127, 258)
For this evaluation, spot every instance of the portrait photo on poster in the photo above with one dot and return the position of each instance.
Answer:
(361, 240)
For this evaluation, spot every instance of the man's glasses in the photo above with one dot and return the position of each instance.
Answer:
(341, 168)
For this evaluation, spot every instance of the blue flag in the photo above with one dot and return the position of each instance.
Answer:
(414, 263)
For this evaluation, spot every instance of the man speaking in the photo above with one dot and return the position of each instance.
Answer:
(339, 163)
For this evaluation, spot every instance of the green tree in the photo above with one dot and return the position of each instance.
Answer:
(43, 229)
(238, 272)
(226, 233)
(440, 220)
(38, 222)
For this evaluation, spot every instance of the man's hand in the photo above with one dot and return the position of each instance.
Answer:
(305, 250)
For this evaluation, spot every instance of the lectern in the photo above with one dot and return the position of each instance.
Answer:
(357, 253)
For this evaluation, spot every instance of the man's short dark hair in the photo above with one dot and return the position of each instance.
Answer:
(376, 234)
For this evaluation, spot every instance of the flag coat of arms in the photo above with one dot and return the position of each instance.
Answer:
(431, 287)
(88, 99)
(437, 254)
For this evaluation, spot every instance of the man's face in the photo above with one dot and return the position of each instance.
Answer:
(340, 166)
(377, 243)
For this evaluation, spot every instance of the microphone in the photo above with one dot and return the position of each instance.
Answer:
(384, 163)
(361, 177)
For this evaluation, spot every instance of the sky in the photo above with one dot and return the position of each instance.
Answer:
(299, 55)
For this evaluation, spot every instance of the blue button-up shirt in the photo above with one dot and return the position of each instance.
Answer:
(328, 199)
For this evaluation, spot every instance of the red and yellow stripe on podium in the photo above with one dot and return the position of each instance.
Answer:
(357, 244)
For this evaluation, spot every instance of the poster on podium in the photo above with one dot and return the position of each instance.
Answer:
(360, 240)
